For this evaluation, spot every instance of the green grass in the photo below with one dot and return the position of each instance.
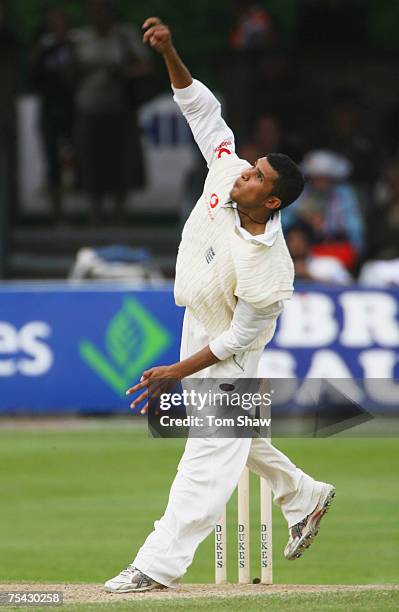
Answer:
(76, 505)
(381, 601)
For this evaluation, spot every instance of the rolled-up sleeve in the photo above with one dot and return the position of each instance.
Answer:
(202, 111)
(247, 323)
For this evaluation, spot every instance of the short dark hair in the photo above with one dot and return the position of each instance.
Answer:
(289, 184)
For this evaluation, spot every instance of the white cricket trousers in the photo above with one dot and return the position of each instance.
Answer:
(207, 475)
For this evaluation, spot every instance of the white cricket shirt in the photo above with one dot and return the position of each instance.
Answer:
(214, 138)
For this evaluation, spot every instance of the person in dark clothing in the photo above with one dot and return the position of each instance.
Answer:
(111, 57)
(383, 220)
(53, 69)
(9, 55)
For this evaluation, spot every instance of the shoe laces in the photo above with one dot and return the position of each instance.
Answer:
(129, 570)
(296, 530)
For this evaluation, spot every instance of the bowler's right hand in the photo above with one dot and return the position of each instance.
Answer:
(161, 378)
(157, 35)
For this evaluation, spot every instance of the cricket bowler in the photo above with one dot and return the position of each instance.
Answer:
(233, 272)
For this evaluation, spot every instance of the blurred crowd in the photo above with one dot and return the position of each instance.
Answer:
(345, 225)
(91, 81)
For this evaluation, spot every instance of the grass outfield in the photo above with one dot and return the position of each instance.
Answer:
(381, 601)
(76, 504)
(353, 602)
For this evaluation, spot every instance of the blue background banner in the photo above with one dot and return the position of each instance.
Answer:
(76, 348)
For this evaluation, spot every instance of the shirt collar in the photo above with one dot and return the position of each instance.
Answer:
(272, 228)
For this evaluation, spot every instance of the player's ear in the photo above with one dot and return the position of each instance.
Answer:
(273, 202)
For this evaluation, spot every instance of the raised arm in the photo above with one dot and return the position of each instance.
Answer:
(198, 104)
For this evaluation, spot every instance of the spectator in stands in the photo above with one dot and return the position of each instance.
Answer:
(330, 205)
(254, 27)
(279, 85)
(265, 138)
(53, 71)
(383, 221)
(250, 39)
(9, 58)
(383, 235)
(351, 133)
(111, 60)
(309, 267)
(391, 131)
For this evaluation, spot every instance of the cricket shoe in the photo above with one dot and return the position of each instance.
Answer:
(303, 533)
(131, 579)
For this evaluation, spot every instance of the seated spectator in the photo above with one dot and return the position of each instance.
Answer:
(254, 27)
(330, 205)
(391, 131)
(353, 132)
(265, 138)
(252, 34)
(380, 274)
(268, 136)
(310, 267)
(383, 235)
(383, 220)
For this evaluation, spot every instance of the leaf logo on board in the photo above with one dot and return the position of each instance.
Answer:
(133, 339)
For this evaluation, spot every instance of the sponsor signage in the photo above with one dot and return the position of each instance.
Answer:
(77, 348)
(66, 350)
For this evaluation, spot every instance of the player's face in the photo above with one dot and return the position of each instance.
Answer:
(253, 188)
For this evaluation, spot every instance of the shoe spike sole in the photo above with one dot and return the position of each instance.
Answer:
(308, 540)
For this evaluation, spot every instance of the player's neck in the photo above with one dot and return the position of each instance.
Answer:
(254, 222)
